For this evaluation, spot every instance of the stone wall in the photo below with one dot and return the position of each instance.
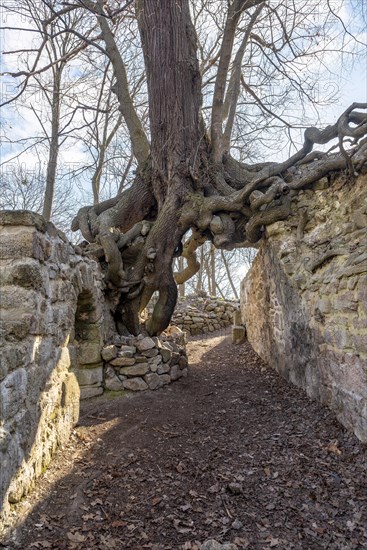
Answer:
(142, 363)
(203, 315)
(47, 291)
(304, 301)
(59, 345)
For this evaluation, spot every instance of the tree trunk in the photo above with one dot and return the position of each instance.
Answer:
(212, 271)
(54, 144)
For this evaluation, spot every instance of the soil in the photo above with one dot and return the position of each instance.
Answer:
(231, 453)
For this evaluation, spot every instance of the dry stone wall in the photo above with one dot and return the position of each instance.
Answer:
(202, 315)
(142, 363)
(58, 345)
(304, 301)
(45, 284)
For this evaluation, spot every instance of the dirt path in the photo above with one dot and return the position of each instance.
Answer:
(231, 453)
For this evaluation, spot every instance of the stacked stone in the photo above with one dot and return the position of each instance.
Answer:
(205, 316)
(142, 363)
(41, 276)
(304, 301)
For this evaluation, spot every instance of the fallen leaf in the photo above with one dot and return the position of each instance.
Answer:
(333, 448)
(75, 537)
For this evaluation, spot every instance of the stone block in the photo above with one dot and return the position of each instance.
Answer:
(123, 361)
(136, 370)
(145, 343)
(70, 397)
(163, 369)
(175, 373)
(183, 362)
(15, 325)
(21, 242)
(89, 376)
(89, 353)
(153, 380)
(109, 353)
(165, 379)
(135, 384)
(150, 352)
(86, 392)
(22, 218)
(27, 274)
(127, 351)
(175, 358)
(166, 354)
(114, 384)
(238, 334)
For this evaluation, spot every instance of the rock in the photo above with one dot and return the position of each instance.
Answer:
(109, 352)
(175, 358)
(166, 354)
(153, 381)
(150, 352)
(145, 343)
(183, 362)
(237, 524)
(136, 370)
(127, 351)
(135, 384)
(197, 320)
(89, 353)
(238, 334)
(165, 379)
(114, 384)
(123, 361)
(140, 359)
(212, 544)
(155, 360)
(175, 373)
(163, 369)
(86, 392)
(89, 376)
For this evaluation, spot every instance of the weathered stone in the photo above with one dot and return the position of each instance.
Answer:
(114, 384)
(155, 360)
(310, 325)
(163, 369)
(153, 380)
(150, 352)
(127, 351)
(145, 344)
(109, 352)
(238, 334)
(90, 376)
(166, 354)
(89, 353)
(175, 358)
(135, 384)
(86, 392)
(164, 379)
(123, 361)
(182, 362)
(136, 370)
(175, 372)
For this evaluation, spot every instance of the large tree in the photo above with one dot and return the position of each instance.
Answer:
(187, 180)
(189, 186)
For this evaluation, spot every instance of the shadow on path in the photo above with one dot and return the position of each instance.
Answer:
(231, 453)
